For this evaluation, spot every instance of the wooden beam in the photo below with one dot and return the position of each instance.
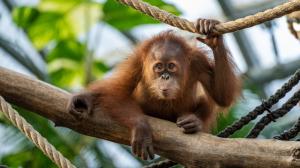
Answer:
(198, 150)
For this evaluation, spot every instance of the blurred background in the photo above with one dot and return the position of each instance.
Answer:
(71, 43)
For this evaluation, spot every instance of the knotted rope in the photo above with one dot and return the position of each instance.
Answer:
(162, 164)
(39, 141)
(163, 16)
(272, 116)
(222, 28)
(292, 133)
(280, 93)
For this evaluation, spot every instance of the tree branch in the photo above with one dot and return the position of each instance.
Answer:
(198, 150)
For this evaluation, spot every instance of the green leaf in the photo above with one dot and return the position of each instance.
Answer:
(124, 18)
(47, 27)
(25, 16)
(66, 73)
(58, 5)
(56, 20)
(67, 48)
(83, 16)
(17, 159)
(99, 68)
(31, 157)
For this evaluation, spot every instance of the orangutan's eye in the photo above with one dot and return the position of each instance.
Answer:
(159, 67)
(171, 67)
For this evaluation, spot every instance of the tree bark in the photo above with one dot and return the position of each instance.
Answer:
(197, 150)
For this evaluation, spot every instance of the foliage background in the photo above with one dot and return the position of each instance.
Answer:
(65, 36)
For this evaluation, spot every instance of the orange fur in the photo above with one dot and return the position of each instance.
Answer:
(220, 84)
(199, 85)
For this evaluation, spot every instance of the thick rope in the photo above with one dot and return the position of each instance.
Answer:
(291, 19)
(167, 18)
(286, 107)
(292, 133)
(34, 136)
(162, 164)
(280, 93)
(292, 29)
(222, 28)
(265, 105)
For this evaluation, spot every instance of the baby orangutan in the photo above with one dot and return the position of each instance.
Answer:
(163, 78)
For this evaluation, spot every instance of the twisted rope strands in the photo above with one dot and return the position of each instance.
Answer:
(42, 143)
(162, 164)
(160, 14)
(280, 93)
(222, 28)
(258, 18)
(286, 107)
(292, 133)
(163, 16)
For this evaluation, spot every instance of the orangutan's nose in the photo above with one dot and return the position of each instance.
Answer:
(165, 76)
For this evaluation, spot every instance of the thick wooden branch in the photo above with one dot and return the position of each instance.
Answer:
(198, 150)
